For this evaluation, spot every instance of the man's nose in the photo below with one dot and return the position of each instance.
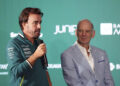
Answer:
(83, 32)
(39, 26)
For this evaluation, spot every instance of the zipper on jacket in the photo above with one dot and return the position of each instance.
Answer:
(22, 81)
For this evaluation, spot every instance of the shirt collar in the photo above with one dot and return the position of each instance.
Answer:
(82, 48)
(21, 34)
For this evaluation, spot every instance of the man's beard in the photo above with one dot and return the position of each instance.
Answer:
(36, 37)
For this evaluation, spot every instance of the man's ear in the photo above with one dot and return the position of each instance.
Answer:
(93, 33)
(23, 25)
(76, 32)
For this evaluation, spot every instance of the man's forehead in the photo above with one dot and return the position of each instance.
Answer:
(34, 17)
(85, 27)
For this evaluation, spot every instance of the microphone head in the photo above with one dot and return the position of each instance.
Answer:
(39, 41)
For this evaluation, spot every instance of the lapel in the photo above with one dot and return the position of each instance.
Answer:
(79, 57)
(95, 57)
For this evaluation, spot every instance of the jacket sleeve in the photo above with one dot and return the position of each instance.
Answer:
(69, 72)
(18, 66)
(108, 77)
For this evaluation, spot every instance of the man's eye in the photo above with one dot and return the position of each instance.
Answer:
(35, 22)
(79, 30)
(88, 31)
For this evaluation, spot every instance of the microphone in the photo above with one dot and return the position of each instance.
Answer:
(44, 58)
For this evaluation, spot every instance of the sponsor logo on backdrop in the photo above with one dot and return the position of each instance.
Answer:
(4, 67)
(61, 29)
(105, 29)
(13, 34)
(109, 29)
(114, 66)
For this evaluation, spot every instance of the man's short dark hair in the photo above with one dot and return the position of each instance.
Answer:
(23, 18)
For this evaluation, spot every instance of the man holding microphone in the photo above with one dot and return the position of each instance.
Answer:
(26, 53)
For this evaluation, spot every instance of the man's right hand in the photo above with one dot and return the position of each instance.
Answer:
(40, 51)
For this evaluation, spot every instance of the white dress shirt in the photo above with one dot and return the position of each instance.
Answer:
(88, 58)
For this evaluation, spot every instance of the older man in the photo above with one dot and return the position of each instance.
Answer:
(83, 64)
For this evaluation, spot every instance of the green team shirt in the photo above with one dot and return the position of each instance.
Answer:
(21, 74)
